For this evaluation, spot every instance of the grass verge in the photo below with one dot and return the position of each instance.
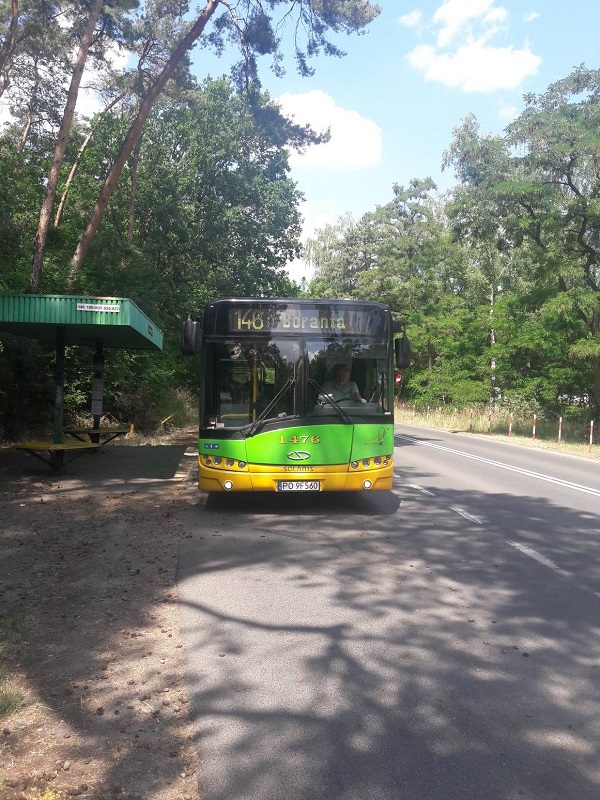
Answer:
(11, 700)
(569, 438)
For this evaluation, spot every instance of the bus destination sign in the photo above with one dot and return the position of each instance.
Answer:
(330, 319)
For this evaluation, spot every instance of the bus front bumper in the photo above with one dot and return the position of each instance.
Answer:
(337, 478)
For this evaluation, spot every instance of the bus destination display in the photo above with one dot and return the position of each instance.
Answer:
(293, 319)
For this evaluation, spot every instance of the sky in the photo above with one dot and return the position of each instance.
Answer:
(393, 101)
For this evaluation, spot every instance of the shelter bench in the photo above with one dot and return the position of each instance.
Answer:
(53, 453)
(99, 436)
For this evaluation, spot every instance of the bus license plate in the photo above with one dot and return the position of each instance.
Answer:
(298, 486)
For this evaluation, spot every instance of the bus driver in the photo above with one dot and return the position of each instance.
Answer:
(341, 387)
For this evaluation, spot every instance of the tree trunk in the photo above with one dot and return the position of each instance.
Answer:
(493, 391)
(75, 166)
(35, 276)
(72, 171)
(133, 190)
(26, 131)
(132, 136)
(6, 51)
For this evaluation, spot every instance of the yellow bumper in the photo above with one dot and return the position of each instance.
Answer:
(336, 478)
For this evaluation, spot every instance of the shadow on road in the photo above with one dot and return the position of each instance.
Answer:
(395, 655)
(311, 504)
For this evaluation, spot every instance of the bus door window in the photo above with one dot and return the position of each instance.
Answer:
(228, 375)
(219, 390)
(234, 387)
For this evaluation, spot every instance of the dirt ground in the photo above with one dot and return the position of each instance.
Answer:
(89, 626)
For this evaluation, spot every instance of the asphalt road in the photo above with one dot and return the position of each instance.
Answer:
(440, 642)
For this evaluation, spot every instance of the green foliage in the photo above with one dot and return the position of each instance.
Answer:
(499, 282)
(25, 401)
(534, 194)
(215, 213)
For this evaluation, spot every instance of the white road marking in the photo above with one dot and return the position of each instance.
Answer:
(420, 489)
(529, 551)
(540, 476)
(466, 515)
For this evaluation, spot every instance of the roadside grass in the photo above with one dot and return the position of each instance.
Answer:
(502, 426)
(168, 435)
(11, 700)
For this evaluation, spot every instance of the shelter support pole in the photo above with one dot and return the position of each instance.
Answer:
(59, 384)
(98, 385)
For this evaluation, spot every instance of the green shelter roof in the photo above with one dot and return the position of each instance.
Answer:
(87, 321)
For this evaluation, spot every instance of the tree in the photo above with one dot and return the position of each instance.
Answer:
(331, 255)
(85, 44)
(536, 190)
(59, 150)
(253, 29)
(215, 211)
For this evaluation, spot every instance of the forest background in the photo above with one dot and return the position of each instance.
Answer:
(179, 191)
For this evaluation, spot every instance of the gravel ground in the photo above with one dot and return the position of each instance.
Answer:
(92, 696)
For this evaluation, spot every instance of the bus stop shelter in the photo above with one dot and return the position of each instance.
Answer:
(95, 322)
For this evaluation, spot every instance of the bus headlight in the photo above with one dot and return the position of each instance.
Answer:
(241, 464)
(354, 464)
(367, 484)
(228, 485)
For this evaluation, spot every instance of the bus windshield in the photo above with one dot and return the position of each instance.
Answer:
(368, 367)
(276, 377)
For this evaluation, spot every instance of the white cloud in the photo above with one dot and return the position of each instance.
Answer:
(476, 67)
(355, 144)
(455, 17)
(531, 16)
(412, 19)
(465, 55)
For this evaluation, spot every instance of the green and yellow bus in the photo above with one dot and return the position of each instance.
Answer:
(268, 423)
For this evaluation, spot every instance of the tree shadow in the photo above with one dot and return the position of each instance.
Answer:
(314, 504)
(110, 463)
(84, 576)
(367, 646)
(408, 655)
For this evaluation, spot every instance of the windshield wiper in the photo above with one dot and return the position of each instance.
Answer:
(329, 399)
(254, 427)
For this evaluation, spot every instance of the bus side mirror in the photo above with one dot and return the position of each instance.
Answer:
(402, 351)
(189, 336)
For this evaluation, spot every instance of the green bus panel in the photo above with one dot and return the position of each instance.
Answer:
(305, 445)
